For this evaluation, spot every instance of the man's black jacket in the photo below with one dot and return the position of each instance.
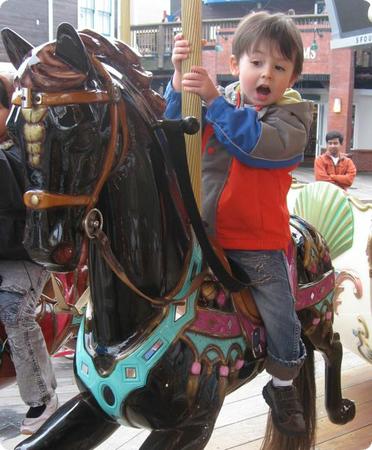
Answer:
(12, 209)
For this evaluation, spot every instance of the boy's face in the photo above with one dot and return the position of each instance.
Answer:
(264, 74)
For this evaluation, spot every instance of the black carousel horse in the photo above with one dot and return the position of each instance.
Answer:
(163, 341)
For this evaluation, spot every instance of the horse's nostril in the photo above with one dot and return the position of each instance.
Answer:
(63, 254)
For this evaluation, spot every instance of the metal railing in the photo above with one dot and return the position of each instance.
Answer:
(156, 40)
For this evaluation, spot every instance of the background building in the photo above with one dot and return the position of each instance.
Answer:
(339, 80)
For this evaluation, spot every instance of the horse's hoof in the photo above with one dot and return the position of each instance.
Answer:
(344, 414)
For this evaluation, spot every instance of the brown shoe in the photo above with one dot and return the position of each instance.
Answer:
(286, 410)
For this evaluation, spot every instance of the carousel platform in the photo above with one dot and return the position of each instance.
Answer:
(242, 420)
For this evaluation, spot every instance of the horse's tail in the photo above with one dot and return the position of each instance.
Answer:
(305, 383)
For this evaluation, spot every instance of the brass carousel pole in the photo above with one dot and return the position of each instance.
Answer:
(125, 21)
(191, 104)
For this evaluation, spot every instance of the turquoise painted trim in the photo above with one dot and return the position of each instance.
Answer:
(327, 300)
(77, 319)
(202, 342)
(165, 333)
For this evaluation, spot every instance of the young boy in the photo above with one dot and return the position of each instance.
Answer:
(255, 135)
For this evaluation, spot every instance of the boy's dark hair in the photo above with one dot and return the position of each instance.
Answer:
(4, 97)
(334, 135)
(277, 28)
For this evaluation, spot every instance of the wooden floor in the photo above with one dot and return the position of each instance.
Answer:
(242, 420)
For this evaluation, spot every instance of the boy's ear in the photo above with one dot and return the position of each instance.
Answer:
(234, 66)
(293, 80)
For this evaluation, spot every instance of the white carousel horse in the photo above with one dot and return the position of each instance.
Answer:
(346, 224)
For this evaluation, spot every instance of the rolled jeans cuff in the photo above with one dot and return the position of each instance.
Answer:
(285, 370)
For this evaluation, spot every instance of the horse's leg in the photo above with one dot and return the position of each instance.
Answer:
(79, 423)
(189, 436)
(322, 337)
(194, 432)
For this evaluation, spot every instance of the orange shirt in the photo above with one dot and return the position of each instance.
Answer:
(341, 174)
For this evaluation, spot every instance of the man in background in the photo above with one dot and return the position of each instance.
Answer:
(334, 166)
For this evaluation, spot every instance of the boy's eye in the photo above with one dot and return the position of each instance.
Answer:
(255, 62)
(280, 68)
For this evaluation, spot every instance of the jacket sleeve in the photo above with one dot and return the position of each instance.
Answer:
(277, 139)
(173, 109)
(173, 100)
(346, 180)
(320, 171)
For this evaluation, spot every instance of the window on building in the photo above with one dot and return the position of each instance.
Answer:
(352, 139)
(98, 15)
(319, 7)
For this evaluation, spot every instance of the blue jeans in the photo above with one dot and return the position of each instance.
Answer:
(271, 290)
(20, 290)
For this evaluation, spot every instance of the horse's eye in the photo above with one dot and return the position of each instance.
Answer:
(66, 117)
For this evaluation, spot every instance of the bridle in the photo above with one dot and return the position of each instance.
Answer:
(26, 98)
(93, 220)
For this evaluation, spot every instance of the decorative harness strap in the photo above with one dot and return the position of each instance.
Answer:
(173, 129)
(118, 269)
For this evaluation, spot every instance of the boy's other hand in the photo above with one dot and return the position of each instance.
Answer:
(181, 51)
(199, 82)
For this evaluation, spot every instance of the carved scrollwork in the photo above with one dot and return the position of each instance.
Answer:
(339, 288)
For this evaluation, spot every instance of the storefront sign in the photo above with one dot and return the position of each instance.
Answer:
(351, 22)
(309, 53)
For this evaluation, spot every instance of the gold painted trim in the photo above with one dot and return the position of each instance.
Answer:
(359, 204)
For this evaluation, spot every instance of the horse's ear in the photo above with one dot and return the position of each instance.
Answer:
(70, 48)
(16, 47)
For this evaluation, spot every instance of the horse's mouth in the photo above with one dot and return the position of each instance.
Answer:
(61, 259)
(63, 254)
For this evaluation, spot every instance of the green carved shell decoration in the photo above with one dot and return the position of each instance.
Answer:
(327, 208)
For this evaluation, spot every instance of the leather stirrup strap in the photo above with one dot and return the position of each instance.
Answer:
(174, 131)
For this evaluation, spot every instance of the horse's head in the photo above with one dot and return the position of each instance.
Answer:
(65, 116)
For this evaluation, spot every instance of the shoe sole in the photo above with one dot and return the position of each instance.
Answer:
(267, 398)
(27, 432)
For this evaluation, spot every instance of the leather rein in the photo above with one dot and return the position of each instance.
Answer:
(93, 220)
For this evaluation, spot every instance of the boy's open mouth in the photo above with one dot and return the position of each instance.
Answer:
(263, 90)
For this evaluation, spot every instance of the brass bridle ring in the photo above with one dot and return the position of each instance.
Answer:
(93, 222)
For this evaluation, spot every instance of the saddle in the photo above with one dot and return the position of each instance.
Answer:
(312, 279)
(310, 265)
